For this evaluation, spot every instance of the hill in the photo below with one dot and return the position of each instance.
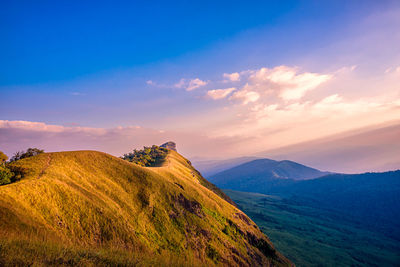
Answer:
(262, 174)
(90, 208)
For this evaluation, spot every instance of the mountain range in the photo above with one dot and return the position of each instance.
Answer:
(370, 198)
(334, 219)
(211, 167)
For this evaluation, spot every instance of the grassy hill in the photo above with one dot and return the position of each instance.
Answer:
(90, 208)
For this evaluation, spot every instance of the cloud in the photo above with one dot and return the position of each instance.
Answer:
(301, 121)
(246, 96)
(220, 93)
(190, 84)
(233, 77)
(40, 126)
(286, 81)
(19, 135)
(195, 83)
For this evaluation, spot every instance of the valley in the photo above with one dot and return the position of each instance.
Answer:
(313, 236)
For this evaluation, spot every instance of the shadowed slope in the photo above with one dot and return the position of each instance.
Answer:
(86, 207)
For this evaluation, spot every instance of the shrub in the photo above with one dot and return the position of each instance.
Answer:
(148, 156)
(30, 152)
(18, 172)
(3, 158)
(5, 175)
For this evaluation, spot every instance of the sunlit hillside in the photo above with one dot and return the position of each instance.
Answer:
(90, 208)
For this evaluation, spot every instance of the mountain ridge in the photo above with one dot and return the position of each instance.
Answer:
(261, 174)
(90, 208)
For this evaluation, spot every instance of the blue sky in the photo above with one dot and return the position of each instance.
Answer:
(227, 73)
(48, 41)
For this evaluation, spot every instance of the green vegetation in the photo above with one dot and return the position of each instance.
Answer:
(5, 175)
(3, 158)
(312, 236)
(148, 156)
(89, 208)
(30, 152)
(9, 172)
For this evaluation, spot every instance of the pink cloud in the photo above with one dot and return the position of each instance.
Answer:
(190, 84)
(232, 77)
(220, 93)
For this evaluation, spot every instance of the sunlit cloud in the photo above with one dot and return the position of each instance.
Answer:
(233, 77)
(220, 93)
(246, 96)
(190, 85)
(286, 81)
(19, 135)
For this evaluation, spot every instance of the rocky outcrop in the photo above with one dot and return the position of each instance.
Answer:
(169, 145)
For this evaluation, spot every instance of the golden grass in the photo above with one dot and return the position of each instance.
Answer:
(90, 208)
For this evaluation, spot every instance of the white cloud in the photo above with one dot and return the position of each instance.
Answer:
(286, 81)
(220, 93)
(195, 83)
(346, 69)
(190, 84)
(180, 84)
(19, 135)
(233, 77)
(246, 96)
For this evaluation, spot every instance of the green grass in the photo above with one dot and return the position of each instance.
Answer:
(314, 237)
(90, 208)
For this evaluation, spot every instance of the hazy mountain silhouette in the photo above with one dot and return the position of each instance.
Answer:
(262, 174)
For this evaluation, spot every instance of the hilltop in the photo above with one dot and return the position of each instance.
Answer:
(90, 208)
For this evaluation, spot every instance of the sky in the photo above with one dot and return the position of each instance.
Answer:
(220, 78)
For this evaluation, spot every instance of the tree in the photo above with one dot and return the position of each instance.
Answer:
(3, 158)
(5, 175)
(148, 156)
(30, 152)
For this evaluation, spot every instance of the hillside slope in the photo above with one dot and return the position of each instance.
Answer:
(262, 174)
(90, 208)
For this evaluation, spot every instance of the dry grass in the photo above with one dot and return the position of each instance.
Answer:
(90, 208)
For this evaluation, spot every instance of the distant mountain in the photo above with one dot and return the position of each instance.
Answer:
(211, 167)
(260, 175)
(87, 208)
